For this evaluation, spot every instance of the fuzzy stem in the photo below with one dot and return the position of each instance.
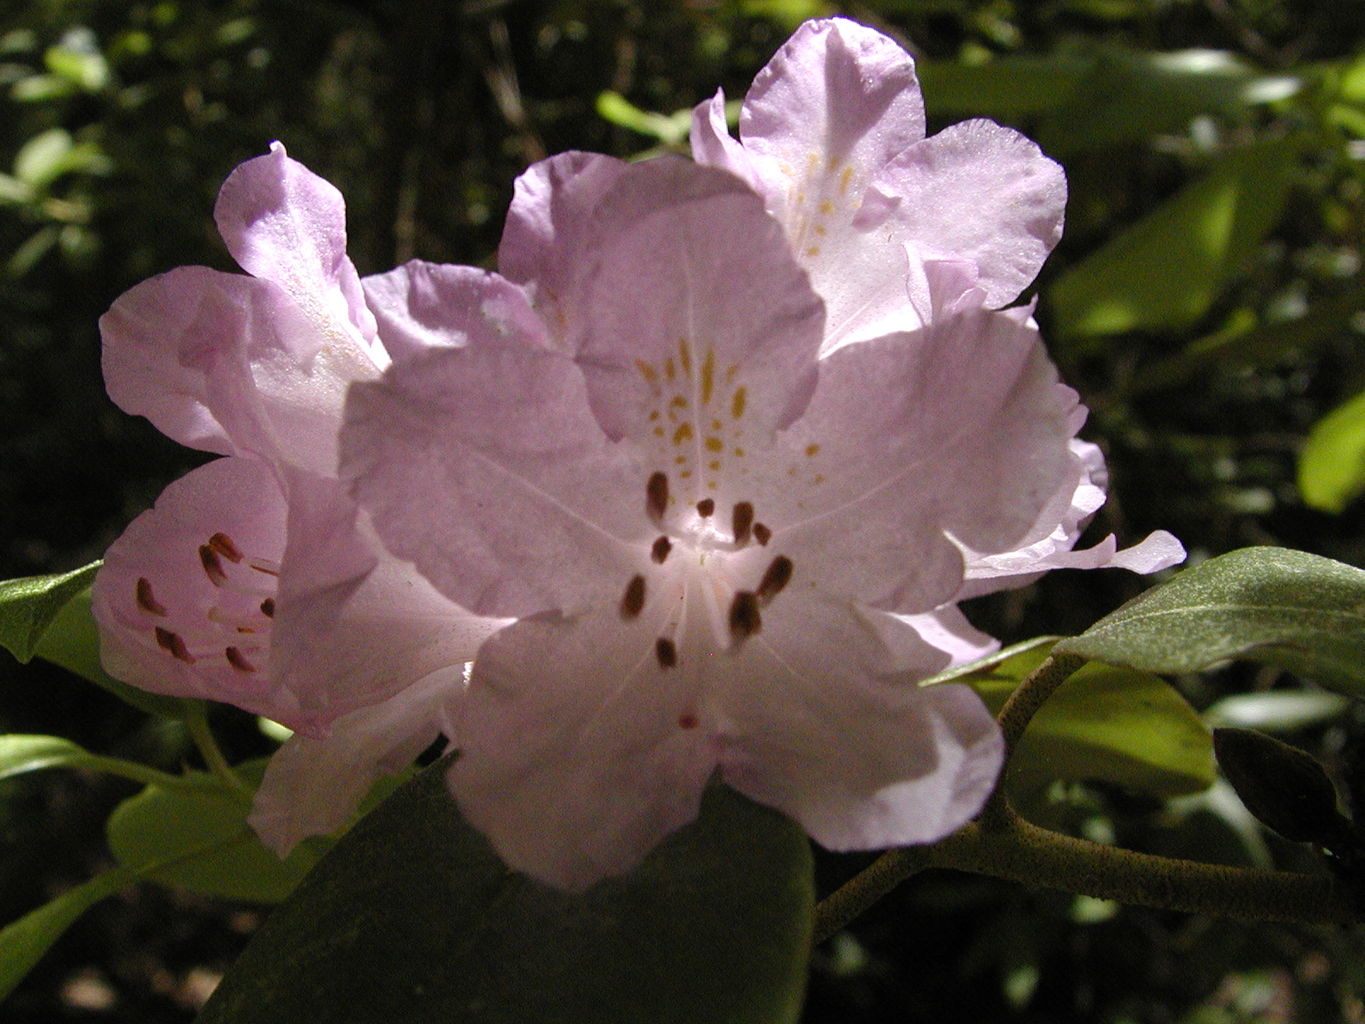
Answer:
(198, 724)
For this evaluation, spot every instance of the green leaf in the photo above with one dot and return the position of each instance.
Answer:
(24, 941)
(1165, 271)
(72, 641)
(1302, 612)
(28, 606)
(22, 753)
(1332, 465)
(1104, 724)
(200, 829)
(412, 918)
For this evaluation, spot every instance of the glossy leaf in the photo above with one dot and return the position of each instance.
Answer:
(20, 754)
(199, 833)
(1277, 710)
(1332, 466)
(28, 606)
(24, 941)
(1285, 788)
(1165, 271)
(1302, 612)
(1104, 724)
(412, 918)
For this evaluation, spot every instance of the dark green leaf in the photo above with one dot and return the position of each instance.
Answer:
(1284, 787)
(202, 831)
(1104, 724)
(28, 606)
(1288, 608)
(412, 918)
(24, 941)
(1165, 271)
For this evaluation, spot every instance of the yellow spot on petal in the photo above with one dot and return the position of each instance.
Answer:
(708, 375)
(670, 368)
(739, 453)
(680, 460)
(679, 402)
(686, 474)
(813, 250)
(730, 372)
(714, 465)
(826, 207)
(845, 176)
(813, 160)
(716, 424)
(646, 371)
(820, 229)
(714, 444)
(685, 356)
(654, 415)
(811, 449)
(737, 402)
(819, 478)
(683, 433)
(711, 485)
(658, 431)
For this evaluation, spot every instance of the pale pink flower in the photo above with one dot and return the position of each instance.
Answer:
(705, 531)
(255, 580)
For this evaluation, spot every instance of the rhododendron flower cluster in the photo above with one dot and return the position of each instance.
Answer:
(695, 480)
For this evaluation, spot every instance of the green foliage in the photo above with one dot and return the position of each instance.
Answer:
(195, 836)
(1332, 466)
(29, 606)
(1288, 608)
(1116, 725)
(412, 917)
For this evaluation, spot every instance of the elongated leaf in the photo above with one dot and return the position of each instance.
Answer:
(21, 753)
(28, 606)
(1288, 608)
(202, 831)
(1332, 466)
(24, 941)
(1104, 724)
(412, 918)
(1165, 271)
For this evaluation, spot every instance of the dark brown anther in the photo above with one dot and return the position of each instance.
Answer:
(172, 642)
(777, 576)
(633, 600)
(705, 507)
(762, 534)
(656, 495)
(268, 607)
(660, 550)
(666, 651)
(222, 543)
(237, 660)
(145, 599)
(213, 568)
(742, 522)
(745, 620)
(687, 721)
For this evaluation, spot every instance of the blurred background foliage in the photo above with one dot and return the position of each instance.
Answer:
(1207, 301)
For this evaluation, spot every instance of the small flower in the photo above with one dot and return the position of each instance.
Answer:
(702, 528)
(256, 580)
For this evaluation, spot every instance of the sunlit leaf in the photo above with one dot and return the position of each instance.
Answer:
(1104, 724)
(202, 832)
(1277, 710)
(1165, 271)
(28, 606)
(412, 918)
(1302, 612)
(24, 941)
(20, 754)
(1332, 465)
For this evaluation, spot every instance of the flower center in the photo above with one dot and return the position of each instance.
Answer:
(230, 630)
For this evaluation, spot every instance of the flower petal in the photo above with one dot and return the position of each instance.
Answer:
(185, 597)
(424, 305)
(542, 243)
(981, 192)
(283, 223)
(814, 729)
(967, 437)
(484, 466)
(354, 625)
(313, 786)
(573, 761)
(732, 326)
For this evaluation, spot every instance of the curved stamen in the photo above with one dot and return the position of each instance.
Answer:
(633, 600)
(742, 522)
(745, 619)
(146, 600)
(777, 576)
(660, 550)
(656, 495)
(666, 651)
